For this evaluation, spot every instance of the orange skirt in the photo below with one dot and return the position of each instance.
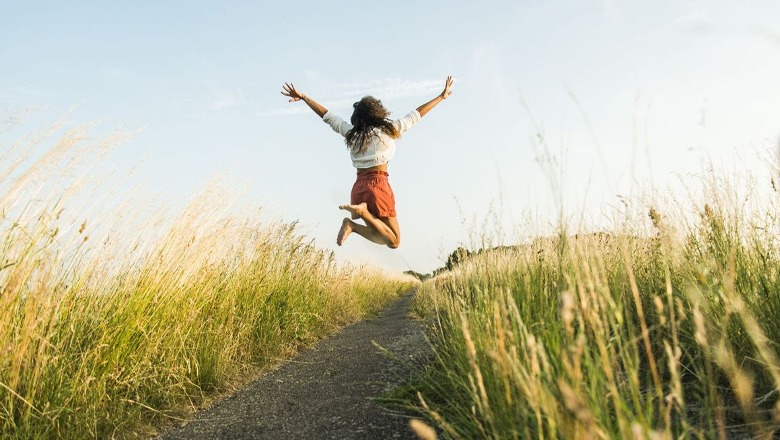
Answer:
(373, 189)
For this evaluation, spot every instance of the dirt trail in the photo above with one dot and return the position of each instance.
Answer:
(326, 392)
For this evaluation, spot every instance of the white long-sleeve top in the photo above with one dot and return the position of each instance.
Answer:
(381, 147)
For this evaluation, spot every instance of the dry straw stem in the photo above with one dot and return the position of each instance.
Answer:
(643, 324)
(476, 381)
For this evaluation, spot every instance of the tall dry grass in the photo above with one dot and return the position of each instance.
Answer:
(116, 317)
(664, 328)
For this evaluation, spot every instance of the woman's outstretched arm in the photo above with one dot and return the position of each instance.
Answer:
(289, 90)
(425, 108)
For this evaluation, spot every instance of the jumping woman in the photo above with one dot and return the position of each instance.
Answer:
(371, 141)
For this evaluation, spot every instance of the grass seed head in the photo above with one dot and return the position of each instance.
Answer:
(422, 430)
(655, 217)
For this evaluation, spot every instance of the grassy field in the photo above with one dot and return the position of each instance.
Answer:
(114, 321)
(666, 327)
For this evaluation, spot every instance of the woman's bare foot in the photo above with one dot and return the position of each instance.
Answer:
(346, 229)
(357, 211)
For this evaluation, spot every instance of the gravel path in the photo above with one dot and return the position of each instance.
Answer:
(326, 392)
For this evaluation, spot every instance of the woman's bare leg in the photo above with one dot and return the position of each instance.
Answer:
(392, 223)
(348, 226)
(383, 230)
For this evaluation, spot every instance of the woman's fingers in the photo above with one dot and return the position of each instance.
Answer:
(289, 90)
(447, 86)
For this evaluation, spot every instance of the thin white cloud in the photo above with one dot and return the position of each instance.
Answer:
(611, 10)
(118, 75)
(222, 97)
(386, 88)
(299, 109)
(22, 93)
(341, 96)
(225, 98)
(285, 111)
(768, 34)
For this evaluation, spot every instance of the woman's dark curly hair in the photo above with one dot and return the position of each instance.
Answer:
(369, 113)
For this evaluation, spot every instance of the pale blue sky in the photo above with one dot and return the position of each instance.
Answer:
(624, 91)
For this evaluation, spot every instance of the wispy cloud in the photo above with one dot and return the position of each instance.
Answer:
(285, 111)
(20, 93)
(343, 95)
(225, 98)
(120, 75)
(699, 20)
(386, 88)
(222, 96)
(611, 10)
(768, 34)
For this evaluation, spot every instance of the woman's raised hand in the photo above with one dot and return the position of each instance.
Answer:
(447, 88)
(289, 90)
(425, 108)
